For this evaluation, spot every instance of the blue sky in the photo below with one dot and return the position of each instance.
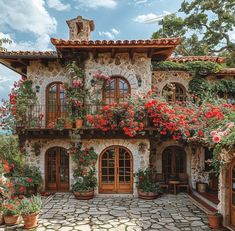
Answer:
(31, 23)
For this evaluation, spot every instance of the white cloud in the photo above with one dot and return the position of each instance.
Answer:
(27, 16)
(109, 34)
(111, 4)
(7, 78)
(40, 44)
(58, 5)
(150, 18)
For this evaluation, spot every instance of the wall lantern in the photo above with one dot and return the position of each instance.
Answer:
(92, 82)
(37, 89)
(139, 82)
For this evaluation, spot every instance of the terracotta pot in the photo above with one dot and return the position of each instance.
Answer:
(30, 221)
(215, 220)
(1, 218)
(79, 123)
(147, 195)
(68, 125)
(202, 187)
(84, 195)
(11, 219)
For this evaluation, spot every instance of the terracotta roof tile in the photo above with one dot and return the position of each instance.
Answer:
(103, 43)
(29, 53)
(197, 58)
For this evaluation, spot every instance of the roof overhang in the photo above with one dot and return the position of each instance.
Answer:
(19, 60)
(157, 49)
(185, 59)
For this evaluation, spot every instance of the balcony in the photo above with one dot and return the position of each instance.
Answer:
(41, 121)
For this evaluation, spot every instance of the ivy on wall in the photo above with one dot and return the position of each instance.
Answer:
(200, 68)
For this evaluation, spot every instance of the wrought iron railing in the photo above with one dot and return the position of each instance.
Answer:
(44, 116)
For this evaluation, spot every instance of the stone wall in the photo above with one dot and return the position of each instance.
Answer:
(139, 67)
(162, 78)
(140, 154)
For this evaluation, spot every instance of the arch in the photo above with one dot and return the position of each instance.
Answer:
(174, 161)
(117, 90)
(57, 174)
(116, 170)
(55, 103)
(174, 92)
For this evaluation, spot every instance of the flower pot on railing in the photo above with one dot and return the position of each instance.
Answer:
(68, 125)
(79, 123)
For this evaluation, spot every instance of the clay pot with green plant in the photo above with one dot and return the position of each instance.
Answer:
(30, 208)
(11, 211)
(148, 188)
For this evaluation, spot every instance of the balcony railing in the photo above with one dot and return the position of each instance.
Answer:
(48, 117)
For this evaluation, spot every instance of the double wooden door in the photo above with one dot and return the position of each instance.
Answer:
(57, 169)
(173, 162)
(232, 194)
(116, 171)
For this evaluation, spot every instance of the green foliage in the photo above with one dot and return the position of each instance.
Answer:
(11, 207)
(4, 41)
(10, 151)
(169, 66)
(30, 205)
(224, 86)
(85, 183)
(205, 29)
(146, 180)
(200, 68)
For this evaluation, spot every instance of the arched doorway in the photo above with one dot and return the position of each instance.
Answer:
(173, 162)
(57, 169)
(116, 170)
(55, 103)
(232, 194)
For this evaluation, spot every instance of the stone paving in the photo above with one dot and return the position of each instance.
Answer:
(169, 212)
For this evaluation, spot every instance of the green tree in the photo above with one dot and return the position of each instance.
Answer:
(205, 29)
(2, 42)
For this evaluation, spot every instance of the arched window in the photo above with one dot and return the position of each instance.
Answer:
(55, 103)
(174, 92)
(116, 90)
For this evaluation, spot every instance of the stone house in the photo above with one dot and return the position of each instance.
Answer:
(129, 63)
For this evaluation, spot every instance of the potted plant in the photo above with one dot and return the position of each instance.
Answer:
(83, 189)
(84, 172)
(30, 208)
(215, 220)
(148, 188)
(11, 211)
(68, 123)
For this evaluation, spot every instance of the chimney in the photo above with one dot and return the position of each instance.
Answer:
(80, 29)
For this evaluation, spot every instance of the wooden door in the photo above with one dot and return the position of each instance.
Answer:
(232, 191)
(116, 171)
(173, 162)
(55, 105)
(57, 169)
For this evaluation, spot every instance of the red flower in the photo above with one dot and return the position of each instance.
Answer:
(30, 180)
(21, 188)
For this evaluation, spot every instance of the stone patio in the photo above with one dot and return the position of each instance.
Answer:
(169, 212)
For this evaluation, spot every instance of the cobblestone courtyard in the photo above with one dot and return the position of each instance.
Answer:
(169, 212)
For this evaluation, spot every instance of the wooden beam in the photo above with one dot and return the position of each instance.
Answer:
(95, 54)
(113, 53)
(131, 53)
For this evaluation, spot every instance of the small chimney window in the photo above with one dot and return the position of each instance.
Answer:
(79, 26)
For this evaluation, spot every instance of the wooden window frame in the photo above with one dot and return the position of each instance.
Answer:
(116, 89)
(173, 97)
